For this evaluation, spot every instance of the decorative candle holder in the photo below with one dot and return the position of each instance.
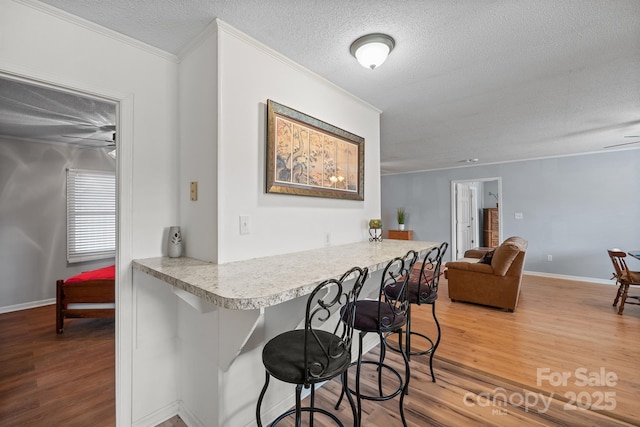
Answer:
(375, 230)
(174, 244)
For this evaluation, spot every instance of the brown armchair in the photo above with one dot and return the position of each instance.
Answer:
(496, 284)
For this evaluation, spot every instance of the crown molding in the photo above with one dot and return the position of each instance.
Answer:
(234, 32)
(98, 29)
(211, 29)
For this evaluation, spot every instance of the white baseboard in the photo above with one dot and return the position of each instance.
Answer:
(27, 305)
(188, 417)
(574, 278)
(159, 416)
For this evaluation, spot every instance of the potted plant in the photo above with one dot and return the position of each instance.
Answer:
(401, 218)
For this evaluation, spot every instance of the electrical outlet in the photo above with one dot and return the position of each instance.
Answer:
(244, 224)
(549, 257)
(518, 215)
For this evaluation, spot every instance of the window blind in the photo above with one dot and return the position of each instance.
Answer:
(91, 215)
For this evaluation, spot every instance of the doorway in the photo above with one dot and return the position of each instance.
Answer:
(38, 114)
(469, 199)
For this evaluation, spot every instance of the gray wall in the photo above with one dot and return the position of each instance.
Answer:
(574, 208)
(33, 218)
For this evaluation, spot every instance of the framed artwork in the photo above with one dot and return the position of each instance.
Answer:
(308, 157)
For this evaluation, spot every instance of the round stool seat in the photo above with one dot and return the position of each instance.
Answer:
(367, 317)
(427, 295)
(283, 356)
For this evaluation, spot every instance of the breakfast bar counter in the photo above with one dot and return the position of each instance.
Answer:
(267, 281)
(212, 321)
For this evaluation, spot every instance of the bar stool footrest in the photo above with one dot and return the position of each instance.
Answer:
(396, 348)
(389, 369)
(307, 409)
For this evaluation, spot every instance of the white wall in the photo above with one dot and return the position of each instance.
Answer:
(47, 45)
(250, 74)
(33, 220)
(198, 146)
(225, 79)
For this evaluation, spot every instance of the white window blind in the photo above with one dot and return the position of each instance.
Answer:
(91, 215)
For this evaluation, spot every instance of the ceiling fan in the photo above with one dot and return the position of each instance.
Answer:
(626, 143)
(110, 142)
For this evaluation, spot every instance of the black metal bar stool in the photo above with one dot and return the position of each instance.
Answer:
(422, 288)
(384, 315)
(312, 355)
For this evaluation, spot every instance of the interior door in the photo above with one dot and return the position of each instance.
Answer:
(464, 218)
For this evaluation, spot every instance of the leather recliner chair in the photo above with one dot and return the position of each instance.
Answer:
(496, 284)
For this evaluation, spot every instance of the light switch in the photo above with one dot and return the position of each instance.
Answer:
(519, 215)
(194, 191)
(245, 227)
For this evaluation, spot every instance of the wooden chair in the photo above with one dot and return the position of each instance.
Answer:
(625, 278)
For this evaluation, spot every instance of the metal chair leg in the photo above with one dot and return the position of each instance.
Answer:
(408, 331)
(405, 391)
(435, 346)
(358, 370)
(262, 393)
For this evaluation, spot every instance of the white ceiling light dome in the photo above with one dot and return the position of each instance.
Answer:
(372, 50)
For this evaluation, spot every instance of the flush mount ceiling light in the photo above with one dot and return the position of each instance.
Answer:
(372, 50)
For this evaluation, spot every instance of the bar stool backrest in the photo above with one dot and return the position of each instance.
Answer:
(429, 278)
(324, 300)
(396, 272)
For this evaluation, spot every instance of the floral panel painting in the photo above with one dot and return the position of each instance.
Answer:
(311, 158)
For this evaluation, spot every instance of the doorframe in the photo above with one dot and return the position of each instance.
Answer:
(124, 215)
(454, 248)
(471, 189)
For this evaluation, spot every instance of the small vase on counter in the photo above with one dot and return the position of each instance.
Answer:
(174, 244)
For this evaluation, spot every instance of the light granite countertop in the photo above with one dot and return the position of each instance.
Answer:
(264, 282)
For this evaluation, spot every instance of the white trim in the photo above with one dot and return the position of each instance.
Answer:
(124, 273)
(159, 416)
(188, 417)
(453, 209)
(27, 305)
(99, 29)
(37, 77)
(573, 278)
(558, 156)
(223, 26)
(212, 28)
(124, 180)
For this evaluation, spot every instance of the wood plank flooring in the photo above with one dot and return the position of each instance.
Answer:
(560, 325)
(67, 380)
(48, 379)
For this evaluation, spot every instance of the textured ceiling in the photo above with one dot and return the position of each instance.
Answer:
(494, 80)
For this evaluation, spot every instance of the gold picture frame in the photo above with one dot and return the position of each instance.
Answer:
(308, 157)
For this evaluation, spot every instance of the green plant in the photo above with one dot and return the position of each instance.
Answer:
(400, 215)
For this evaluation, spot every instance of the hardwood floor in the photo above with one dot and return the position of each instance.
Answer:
(564, 326)
(48, 379)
